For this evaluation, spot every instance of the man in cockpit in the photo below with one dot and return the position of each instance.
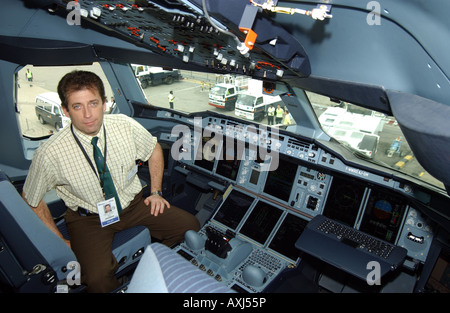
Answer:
(66, 162)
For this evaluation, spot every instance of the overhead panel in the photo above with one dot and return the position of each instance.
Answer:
(206, 34)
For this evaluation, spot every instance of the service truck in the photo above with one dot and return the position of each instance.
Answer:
(365, 144)
(358, 129)
(254, 106)
(224, 96)
(152, 76)
(338, 117)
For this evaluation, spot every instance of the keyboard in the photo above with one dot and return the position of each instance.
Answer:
(356, 239)
(347, 248)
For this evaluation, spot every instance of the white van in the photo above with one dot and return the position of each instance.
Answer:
(49, 111)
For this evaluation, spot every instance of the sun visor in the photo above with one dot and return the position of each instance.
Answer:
(44, 52)
(425, 125)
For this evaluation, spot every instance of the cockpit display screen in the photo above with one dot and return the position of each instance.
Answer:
(206, 153)
(383, 216)
(344, 200)
(230, 159)
(233, 209)
(280, 181)
(261, 222)
(284, 240)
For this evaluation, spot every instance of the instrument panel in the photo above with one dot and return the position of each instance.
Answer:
(278, 184)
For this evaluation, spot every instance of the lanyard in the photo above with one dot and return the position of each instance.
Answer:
(87, 157)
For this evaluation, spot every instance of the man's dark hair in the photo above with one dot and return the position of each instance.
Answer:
(79, 80)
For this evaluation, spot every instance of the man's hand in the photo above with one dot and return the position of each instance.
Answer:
(157, 204)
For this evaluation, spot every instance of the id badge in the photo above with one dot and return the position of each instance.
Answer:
(107, 212)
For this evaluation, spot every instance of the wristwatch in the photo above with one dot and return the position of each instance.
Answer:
(157, 192)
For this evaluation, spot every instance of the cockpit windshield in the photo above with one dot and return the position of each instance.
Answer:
(370, 135)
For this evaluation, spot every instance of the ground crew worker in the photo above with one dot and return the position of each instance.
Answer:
(270, 114)
(171, 97)
(29, 77)
(287, 118)
(279, 114)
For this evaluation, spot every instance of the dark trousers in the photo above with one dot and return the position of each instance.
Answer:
(92, 244)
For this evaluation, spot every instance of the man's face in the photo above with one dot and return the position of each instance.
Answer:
(85, 109)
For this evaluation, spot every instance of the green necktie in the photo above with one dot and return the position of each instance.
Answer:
(105, 175)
